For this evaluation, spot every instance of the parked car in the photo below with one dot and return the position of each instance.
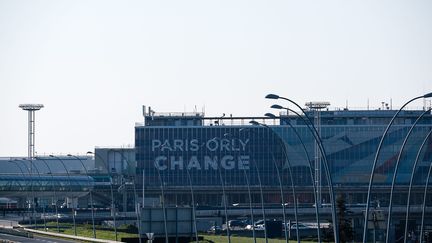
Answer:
(301, 226)
(214, 229)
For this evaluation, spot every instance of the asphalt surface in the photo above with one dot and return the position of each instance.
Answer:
(39, 239)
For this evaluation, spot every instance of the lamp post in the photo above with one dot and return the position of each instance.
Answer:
(30, 171)
(54, 190)
(250, 205)
(321, 148)
(90, 192)
(138, 218)
(317, 215)
(193, 205)
(280, 183)
(113, 207)
(371, 177)
(250, 199)
(424, 202)
(225, 203)
(411, 183)
(163, 205)
(70, 188)
(395, 173)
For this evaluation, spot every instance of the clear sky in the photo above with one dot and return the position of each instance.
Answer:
(93, 64)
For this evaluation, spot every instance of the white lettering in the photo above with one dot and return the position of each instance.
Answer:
(227, 162)
(224, 145)
(243, 144)
(178, 162)
(213, 147)
(155, 144)
(166, 145)
(158, 161)
(208, 161)
(193, 163)
(194, 145)
(178, 144)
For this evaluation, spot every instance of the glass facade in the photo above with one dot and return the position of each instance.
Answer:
(206, 158)
(19, 183)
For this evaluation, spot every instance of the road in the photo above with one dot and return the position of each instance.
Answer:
(39, 239)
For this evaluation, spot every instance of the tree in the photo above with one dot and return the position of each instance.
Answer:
(346, 232)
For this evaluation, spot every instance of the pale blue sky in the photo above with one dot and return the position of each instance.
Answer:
(94, 63)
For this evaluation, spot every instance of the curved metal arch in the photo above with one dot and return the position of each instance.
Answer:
(321, 148)
(396, 171)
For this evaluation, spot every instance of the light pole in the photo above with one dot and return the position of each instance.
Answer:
(32, 204)
(90, 192)
(113, 207)
(163, 205)
(250, 197)
(138, 218)
(224, 202)
(193, 205)
(371, 177)
(424, 202)
(321, 148)
(411, 183)
(55, 198)
(270, 115)
(70, 189)
(280, 183)
(395, 173)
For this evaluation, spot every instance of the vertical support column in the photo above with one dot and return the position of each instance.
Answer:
(317, 159)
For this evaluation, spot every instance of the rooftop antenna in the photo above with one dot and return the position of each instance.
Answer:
(31, 108)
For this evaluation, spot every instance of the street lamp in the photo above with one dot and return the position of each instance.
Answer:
(55, 197)
(113, 207)
(317, 215)
(70, 189)
(138, 218)
(410, 186)
(395, 173)
(371, 177)
(280, 181)
(424, 202)
(90, 191)
(250, 198)
(321, 148)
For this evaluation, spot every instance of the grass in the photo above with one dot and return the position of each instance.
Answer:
(239, 239)
(86, 230)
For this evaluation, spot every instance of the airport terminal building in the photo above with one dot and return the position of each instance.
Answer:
(177, 152)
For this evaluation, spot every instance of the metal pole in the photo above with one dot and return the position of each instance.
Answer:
(70, 189)
(371, 177)
(90, 192)
(312, 179)
(280, 183)
(193, 205)
(424, 202)
(411, 183)
(326, 166)
(250, 206)
(395, 174)
(113, 207)
(225, 203)
(262, 202)
(135, 195)
(163, 206)
(56, 211)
